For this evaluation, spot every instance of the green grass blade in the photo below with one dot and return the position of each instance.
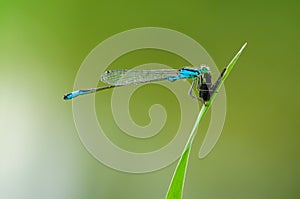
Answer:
(228, 70)
(176, 187)
(207, 146)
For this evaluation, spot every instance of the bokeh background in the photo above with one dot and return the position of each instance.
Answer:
(42, 45)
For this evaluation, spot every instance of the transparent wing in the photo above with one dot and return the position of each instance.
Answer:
(127, 77)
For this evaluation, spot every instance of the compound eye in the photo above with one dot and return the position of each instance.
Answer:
(207, 69)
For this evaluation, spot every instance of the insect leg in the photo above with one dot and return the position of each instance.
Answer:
(191, 90)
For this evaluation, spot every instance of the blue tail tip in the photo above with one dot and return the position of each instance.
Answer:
(68, 96)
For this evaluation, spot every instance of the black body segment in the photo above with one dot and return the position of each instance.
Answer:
(206, 89)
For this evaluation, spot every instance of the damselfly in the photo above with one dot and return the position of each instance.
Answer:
(117, 78)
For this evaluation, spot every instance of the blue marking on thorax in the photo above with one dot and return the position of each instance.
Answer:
(188, 73)
(185, 73)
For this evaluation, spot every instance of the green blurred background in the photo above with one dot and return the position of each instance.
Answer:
(42, 45)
